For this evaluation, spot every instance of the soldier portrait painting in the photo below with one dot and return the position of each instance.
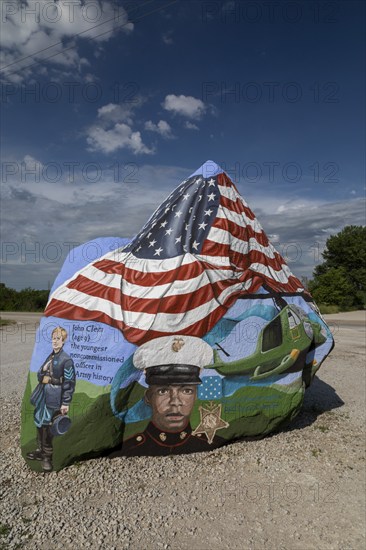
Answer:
(172, 366)
(52, 397)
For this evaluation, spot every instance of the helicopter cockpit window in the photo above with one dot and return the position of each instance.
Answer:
(293, 319)
(272, 335)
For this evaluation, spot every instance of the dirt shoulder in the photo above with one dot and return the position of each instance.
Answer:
(300, 489)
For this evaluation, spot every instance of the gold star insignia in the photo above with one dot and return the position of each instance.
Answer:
(211, 421)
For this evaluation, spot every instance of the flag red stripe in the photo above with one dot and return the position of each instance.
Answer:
(167, 273)
(223, 180)
(93, 288)
(196, 329)
(242, 233)
(187, 271)
(236, 206)
(259, 280)
(64, 310)
(242, 261)
(179, 303)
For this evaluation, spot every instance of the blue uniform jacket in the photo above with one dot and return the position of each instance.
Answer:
(59, 390)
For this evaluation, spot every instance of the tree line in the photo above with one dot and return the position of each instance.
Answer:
(340, 280)
(27, 299)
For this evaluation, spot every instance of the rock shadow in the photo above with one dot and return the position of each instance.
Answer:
(319, 398)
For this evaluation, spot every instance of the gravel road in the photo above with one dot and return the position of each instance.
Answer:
(303, 488)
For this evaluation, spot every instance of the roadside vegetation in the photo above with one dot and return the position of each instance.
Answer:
(27, 299)
(339, 283)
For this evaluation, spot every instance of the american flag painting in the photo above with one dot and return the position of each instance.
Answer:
(200, 250)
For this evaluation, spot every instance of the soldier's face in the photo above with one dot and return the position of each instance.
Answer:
(57, 341)
(171, 405)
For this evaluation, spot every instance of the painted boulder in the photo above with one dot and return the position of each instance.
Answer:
(189, 336)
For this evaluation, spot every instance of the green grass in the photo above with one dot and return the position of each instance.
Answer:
(316, 452)
(328, 309)
(250, 411)
(4, 530)
(322, 428)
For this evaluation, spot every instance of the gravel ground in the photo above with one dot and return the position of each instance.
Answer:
(303, 488)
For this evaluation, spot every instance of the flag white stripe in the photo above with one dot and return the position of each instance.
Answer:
(151, 265)
(188, 286)
(219, 261)
(281, 276)
(228, 192)
(164, 322)
(157, 291)
(136, 264)
(109, 256)
(112, 280)
(171, 322)
(91, 303)
(222, 236)
(115, 256)
(178, 287)
(232, 194)
(240, 219)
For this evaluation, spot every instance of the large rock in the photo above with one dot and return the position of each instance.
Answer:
(190, 336)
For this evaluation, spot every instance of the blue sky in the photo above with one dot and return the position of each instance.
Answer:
(135, 96)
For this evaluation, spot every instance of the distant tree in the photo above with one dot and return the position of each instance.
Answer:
(334, 288)
(27, 299)
(341, 278)
(8, 298)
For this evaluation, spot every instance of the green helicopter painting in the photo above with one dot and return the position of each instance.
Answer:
(279, 346)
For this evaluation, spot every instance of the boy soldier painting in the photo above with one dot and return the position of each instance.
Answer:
(52, 396)
(172, 365)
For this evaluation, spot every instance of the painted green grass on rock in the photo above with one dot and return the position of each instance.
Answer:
(250, 411)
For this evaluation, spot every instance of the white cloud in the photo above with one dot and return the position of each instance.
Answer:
(30, 163)
(167, 38)
(37, 211)
(190, 126)
(113, 112)
(51, 218)
(183, 105)
(37, 30)
(305, 229)
(162, 128)
(90, 78)
(274, 238)
(120, 136)
(293, 205)
(106, 110)
(113, 130)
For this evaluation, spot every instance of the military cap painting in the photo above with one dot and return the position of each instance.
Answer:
(172, 366)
